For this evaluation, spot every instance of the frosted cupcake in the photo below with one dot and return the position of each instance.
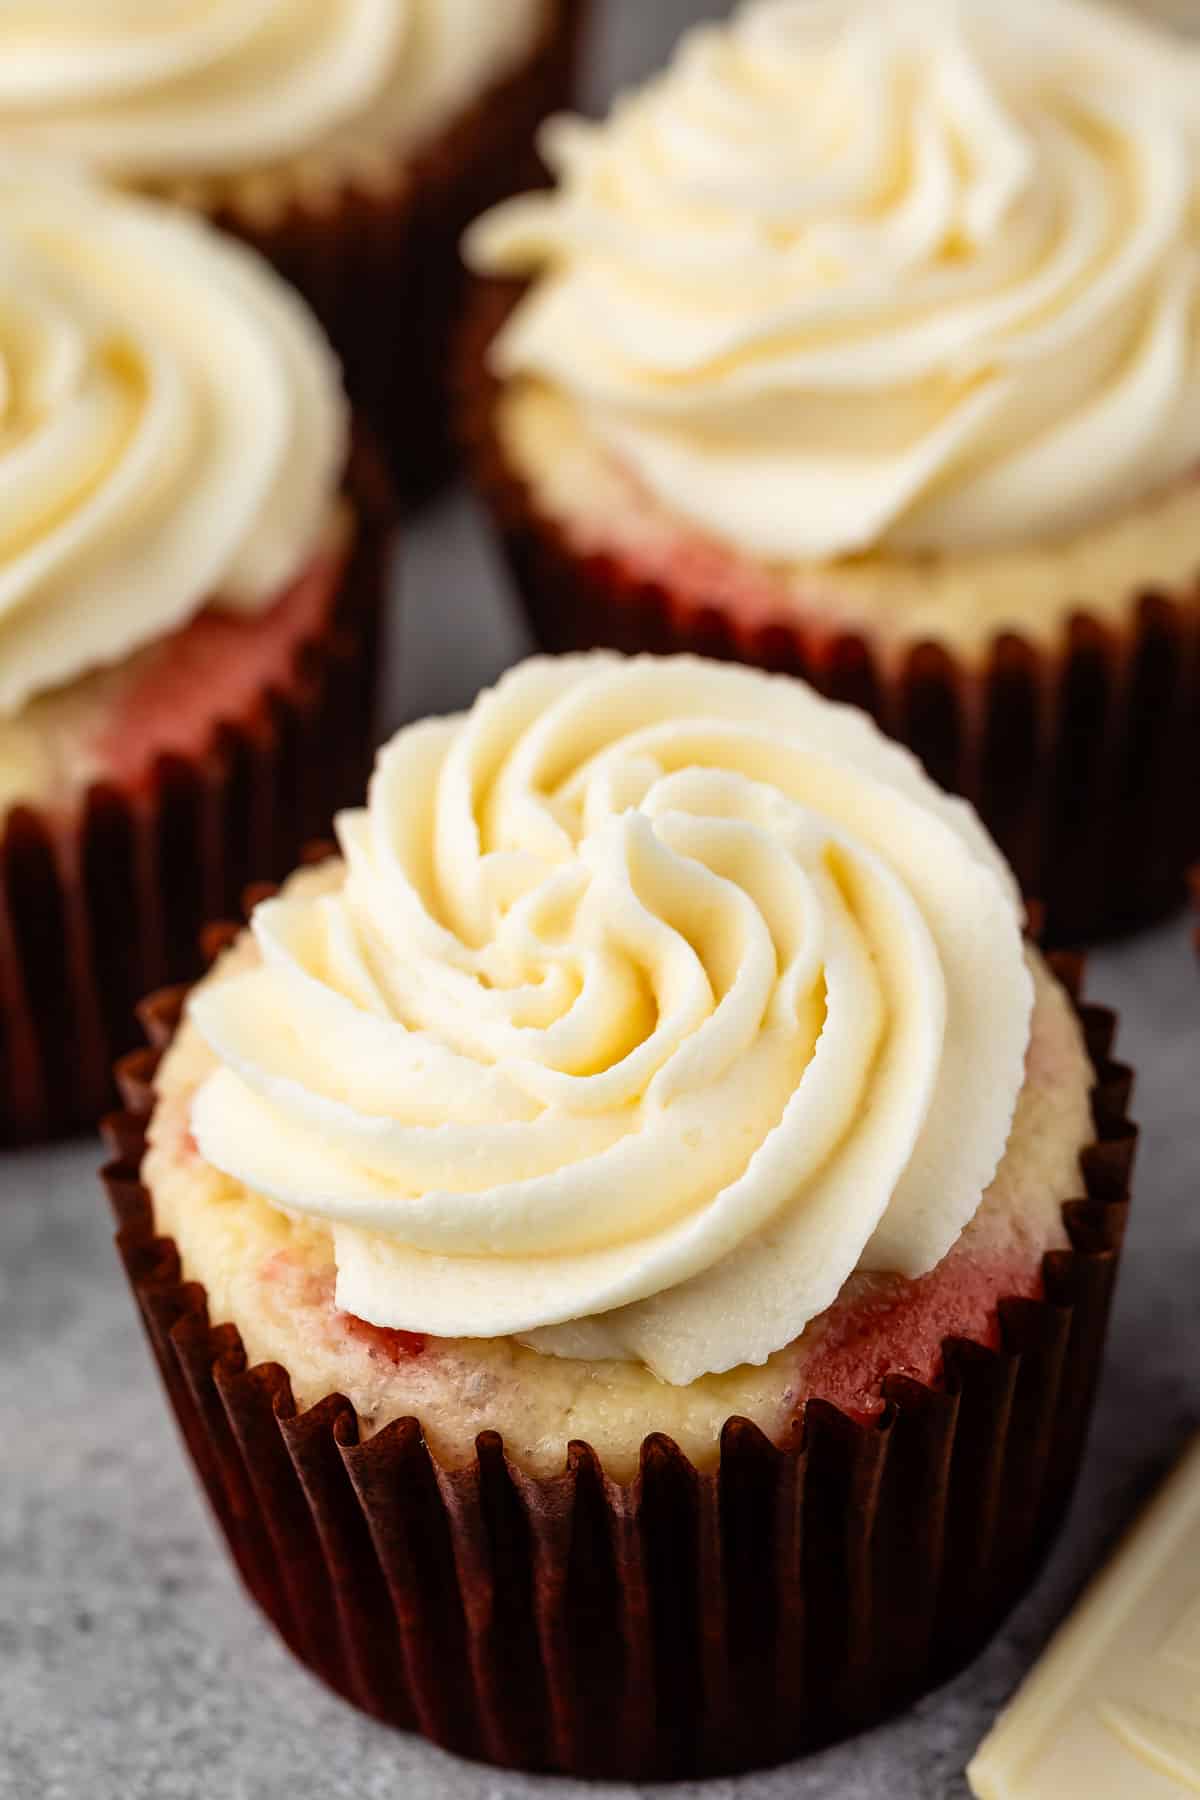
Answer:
(190, 576)
(348, 140)
(654, 1130)
(865, 343)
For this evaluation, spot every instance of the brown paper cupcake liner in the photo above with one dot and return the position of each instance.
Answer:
(1080, 756)
(382, 269)
(100, 905)
(684, 1623)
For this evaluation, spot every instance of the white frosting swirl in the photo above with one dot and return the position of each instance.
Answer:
(172, 428)
(657, 996)
(147, 90)
(922, 275)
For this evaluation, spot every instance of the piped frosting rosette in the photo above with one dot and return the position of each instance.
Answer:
(920, 275)
(133, 83)
(144, 89)
(172, 427)
(652, 999)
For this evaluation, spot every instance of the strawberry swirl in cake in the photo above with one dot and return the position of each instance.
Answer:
(663, 1046)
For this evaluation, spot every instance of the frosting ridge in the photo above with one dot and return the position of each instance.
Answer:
(652, 999)
(172, 428)
(146, 91)
(923, 276)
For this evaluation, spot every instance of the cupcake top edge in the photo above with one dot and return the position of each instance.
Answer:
(648, 1001)
(173, 430)
(153, 93)
(922, 277)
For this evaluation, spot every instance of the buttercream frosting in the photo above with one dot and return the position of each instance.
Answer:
(149, 91)
(271, 1274)
(172, 427)
(922, 276)
(649, 1000)
(963, 600)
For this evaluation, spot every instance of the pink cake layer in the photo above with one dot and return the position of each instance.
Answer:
(880, 1325)
(113, 725)
(536, 453)
(218, 667)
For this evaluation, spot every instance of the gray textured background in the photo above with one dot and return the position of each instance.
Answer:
(131, 1668)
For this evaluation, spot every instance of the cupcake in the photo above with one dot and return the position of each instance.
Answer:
(350, 143)
(628, 1239)
(864, 344)
(191, 574)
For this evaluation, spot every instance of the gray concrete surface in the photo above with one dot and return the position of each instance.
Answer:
(131, 1667)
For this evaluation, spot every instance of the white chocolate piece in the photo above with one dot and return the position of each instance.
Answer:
(1112, 1711)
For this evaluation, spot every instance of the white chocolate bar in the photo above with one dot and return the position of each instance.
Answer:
(1112, 1710)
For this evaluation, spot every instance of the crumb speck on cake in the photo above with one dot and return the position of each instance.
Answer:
(395, 1347)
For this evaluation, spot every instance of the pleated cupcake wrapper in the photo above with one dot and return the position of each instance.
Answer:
(381, 265)
(683, 1623)
(1080, 756)
(101, 904)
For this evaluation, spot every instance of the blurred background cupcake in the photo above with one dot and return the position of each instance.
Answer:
(864, 342)
(192, 562)
(348, 140)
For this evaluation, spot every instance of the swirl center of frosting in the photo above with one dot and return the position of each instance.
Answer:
(650, 1000)
(922, 276)
(172, 430)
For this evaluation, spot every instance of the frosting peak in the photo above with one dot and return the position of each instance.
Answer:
(172, 429)
(653, 998)
(134, 85)
(148, 90)
(923, 275)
